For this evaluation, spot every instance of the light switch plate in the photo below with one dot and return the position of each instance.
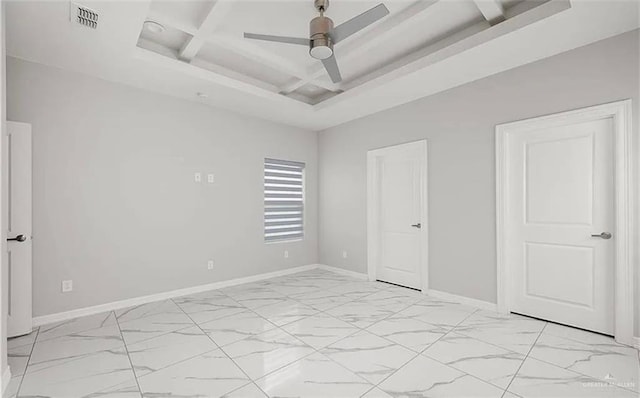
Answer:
(210, 178)
(197, 177)
(210, 264)
(344, 254)
(286, 254)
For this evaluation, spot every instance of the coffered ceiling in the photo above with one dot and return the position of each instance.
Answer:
(420, 48)
(209, 34)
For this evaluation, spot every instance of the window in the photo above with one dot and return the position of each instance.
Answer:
(283, 200)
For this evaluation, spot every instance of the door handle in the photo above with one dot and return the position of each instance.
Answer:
(418, 225)
(19, 238)
(603, 235)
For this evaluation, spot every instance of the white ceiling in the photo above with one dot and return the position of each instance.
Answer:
(422, 47)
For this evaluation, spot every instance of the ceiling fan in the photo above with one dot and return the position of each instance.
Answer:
(323, 35)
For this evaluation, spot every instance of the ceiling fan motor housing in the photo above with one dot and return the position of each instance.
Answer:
(321, 45)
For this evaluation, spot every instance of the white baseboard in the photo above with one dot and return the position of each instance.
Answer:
(6, 379)
(342, 271)
(116, 305)
(484, 305)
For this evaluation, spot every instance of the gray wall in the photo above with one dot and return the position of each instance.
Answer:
(115, 205)
(459, 126)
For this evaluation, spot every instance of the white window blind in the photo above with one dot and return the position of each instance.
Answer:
(283, 200)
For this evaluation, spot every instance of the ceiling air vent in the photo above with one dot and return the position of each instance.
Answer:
(83, 16)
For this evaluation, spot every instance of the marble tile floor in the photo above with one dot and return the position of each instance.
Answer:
(316, 334)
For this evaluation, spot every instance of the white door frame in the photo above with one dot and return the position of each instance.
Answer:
(621, 113)
(373, 226)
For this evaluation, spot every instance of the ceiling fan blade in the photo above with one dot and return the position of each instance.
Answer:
(357, 23)
(331, 65)
(279, 39)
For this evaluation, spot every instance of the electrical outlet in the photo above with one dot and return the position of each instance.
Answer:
(197, 177)
(286, 254)
(344, 254)
(67, 286)
(210, 178)
(210, 264)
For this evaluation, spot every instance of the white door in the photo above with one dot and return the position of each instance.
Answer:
(18, 223)
(561, 214)
(400, 238)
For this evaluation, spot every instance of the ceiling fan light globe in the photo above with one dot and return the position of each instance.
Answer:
(321, 52)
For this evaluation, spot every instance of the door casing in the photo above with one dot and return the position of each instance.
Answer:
(373, 203)
(621, 114)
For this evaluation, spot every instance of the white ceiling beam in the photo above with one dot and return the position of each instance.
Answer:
(492, 10)
(219, 10)
(354, 48)
(157, 48)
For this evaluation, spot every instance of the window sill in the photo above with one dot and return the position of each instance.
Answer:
(284, 241)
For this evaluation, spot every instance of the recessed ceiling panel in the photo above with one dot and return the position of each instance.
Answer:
(314, 93)
(282, 18)
(229, 59)
(510, 3)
